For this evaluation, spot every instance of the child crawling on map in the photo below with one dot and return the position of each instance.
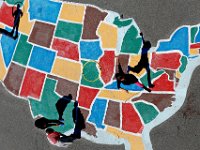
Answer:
(17, 14)
(143, 63)
(127, 79)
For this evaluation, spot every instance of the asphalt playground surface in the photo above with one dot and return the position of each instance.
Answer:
(157, 19)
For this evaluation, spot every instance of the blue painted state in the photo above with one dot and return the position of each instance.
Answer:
(44, 10)
(42, 59)
(90, 50)
(8, 45)
(132, 87)
(179, 41)
(98, 112)
(197, 38)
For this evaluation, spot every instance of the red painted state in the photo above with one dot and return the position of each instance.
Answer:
(66, 49)
(86, 96)
(32, 84)
(107, 63)
(163, 83)
(166, 61)
(130, 120)
(197, 45)
(6, 14)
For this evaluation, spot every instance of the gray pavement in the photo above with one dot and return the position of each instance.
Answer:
(157, 19)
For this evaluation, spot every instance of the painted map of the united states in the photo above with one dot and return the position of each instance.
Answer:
(69, 48)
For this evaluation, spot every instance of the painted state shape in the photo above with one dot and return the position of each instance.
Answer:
(122, 22)
(42, 59)
(42, 34)
(87, 96)
(69, 31)
(67, 69)
(93, 17)
(197, 37)
(118, 95)
(8, 49)
(166, 60)
(161, 101)
(2, 66)
(107, 64)
(178, 41)
(14, 78)
(193, 32)
(113, 114)
(72, 12)
(90, 50)
(6, 14)
(66, 49)
(108, 35)
(130, 119)
(98, 112)
(184, 62)
(91, 75)
(65, 87)
(32, 84)
(131, 42)
(146, 111)
(22, 51)
(42, 10)
(48, 101)
(163, 83)
(124, 61)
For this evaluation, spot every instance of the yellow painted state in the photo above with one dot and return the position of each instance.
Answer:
(178, 74)
(2, 67)
(67, 69)
(134, 59)
(108, 35)
(119, 95)
(25, 25)
(2, 26)
(194, 51)
(134, 141)
(73, 12)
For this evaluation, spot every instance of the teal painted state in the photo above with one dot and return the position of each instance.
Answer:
(184, 62)
(131, 42)
(147, 112)
(193, 34)
(46, 107)
(122, 23)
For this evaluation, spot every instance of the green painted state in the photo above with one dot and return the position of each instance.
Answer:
(153, 76)
(13, 2)
(91, 76)
(131, 42)
(184, 62)
(122, 23)
(23, 51)
(46, 107)
(69, 31)
(193, 33)
(147, 112)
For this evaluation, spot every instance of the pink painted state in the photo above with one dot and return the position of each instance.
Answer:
(6, 15)
(163, 83)
(130, 120)
(197, 45)
(107, 63)
(166, 60)
(66, 49)
(33, 83)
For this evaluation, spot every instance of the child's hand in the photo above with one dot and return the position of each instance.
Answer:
(141, 33)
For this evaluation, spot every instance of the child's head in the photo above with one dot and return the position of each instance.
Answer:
(18, 6)
(49, 130)
(147, 44)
